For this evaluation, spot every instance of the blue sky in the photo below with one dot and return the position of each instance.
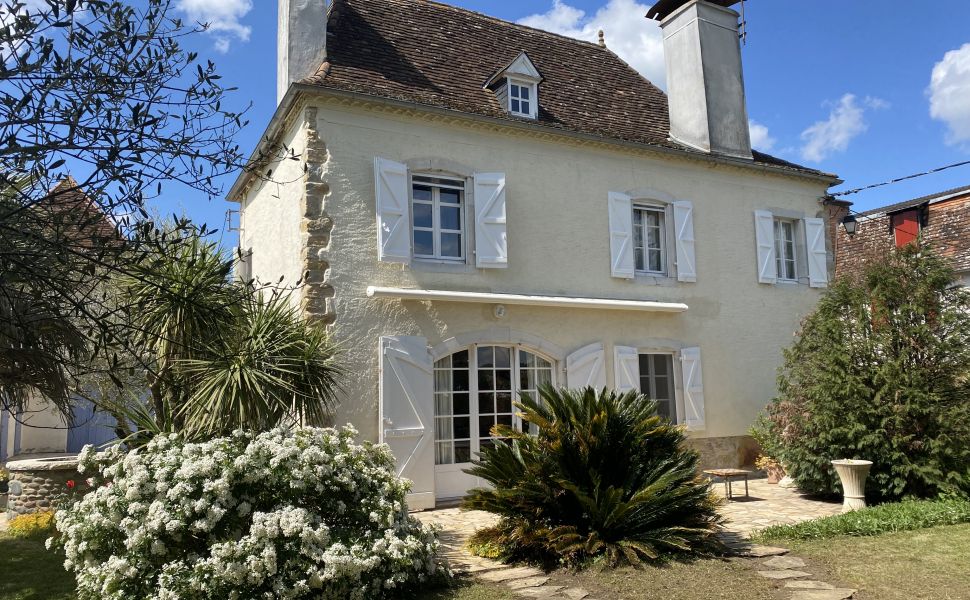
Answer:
(847, 87)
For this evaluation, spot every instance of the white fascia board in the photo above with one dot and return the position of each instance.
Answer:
(525, 300)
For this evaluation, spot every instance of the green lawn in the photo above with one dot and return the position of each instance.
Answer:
(28, 571)
(928, 563)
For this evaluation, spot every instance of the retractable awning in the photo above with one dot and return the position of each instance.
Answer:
(525, 300)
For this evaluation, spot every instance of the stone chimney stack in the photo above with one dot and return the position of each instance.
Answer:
(301, 41)
(705, 84)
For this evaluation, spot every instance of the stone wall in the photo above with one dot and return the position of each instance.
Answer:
(725, 452)
(35, 483)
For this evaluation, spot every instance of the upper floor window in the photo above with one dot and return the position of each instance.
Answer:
(438, 219)
(905, 226)
(522, 97)
(649, 239)
(785, 257)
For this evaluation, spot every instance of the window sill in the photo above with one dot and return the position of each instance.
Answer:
(654, 279)
(441, 266)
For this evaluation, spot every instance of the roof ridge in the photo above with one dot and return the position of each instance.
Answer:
(505, 22)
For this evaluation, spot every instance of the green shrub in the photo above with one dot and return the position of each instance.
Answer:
(604, 477)
(884, 518)
(879, 372)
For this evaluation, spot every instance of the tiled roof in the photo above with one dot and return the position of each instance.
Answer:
(916, 201)
(438, 55)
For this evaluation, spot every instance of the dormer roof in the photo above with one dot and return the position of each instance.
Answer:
(521, 67)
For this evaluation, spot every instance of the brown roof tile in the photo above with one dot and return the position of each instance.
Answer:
(439, 55)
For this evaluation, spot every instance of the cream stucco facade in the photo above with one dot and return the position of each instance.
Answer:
(319, 215)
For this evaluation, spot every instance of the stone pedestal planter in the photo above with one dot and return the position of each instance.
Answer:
(853, 474)
(34, 483)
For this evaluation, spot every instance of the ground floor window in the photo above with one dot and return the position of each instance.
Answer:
(657, 382)
(474, 390)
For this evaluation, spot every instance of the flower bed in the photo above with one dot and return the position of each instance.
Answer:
(283, 514)
(35, 483)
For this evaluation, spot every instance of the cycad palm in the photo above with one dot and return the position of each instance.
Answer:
(604, 476)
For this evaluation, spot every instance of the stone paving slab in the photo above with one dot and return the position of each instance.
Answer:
(770, 504)
(784, 562)
(833, 594)
(784, 574)
(808, 584)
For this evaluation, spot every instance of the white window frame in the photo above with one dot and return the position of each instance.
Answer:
(674, 383)
(533, 97)
(782, 244)
(643, 207)
(435, 229)
(475, 436)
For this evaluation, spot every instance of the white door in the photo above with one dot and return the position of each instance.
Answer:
(473, 392)
(406, 413)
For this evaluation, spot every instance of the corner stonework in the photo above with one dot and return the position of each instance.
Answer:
(315, 227)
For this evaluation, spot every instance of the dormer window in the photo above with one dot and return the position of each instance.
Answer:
(521, 98)
(516, 87)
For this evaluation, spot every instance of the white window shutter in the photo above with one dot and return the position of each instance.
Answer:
(764, 230)
(407, 413)
(621, 235)
(491, 219)
(626, 369)
(817, 256)
(684, 230)
(586, 367)
(690, 363)
(393, 211)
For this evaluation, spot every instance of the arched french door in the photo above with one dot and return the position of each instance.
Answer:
(473, 391)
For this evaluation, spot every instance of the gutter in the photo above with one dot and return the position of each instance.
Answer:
(297, 89)
(525, 300)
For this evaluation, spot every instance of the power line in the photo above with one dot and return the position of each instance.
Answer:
(898, 179)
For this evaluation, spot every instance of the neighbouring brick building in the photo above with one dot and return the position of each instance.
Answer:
(941, 220)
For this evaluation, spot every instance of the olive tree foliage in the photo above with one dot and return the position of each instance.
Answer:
(101, 106)
(881, 371)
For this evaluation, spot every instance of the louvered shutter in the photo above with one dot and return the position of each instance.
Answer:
(684, 231)
(626, 369)
(407, 413)
(491, 237)
(393, 211)
(817, 256)
(621, 235)
(586, 367)
(690, 362)
(764, 230)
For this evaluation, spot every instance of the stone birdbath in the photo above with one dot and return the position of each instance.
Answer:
(853, 474)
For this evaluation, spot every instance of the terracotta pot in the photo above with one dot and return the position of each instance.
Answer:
(853, 475)
(775, 474)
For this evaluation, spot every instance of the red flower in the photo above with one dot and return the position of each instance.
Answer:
(70, 484)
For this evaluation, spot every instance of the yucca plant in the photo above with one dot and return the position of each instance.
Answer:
(604, 477)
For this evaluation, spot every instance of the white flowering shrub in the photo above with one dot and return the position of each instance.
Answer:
(303, 513)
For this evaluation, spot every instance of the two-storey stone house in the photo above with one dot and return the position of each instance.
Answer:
(480, 207)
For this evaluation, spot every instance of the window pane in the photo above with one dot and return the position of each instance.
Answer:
(449, 196)
(460, 381)
(514, 90)
(653, 237)
(486, 380)
(463, 452)
(423, 215)
(503, 403)
(421, 192)
(485, 357)
(515, 106)
(656, 261)
(663, 409)
(638, 259)
(442, 404)
(660, 364)
(526, 359)
(443, 454)
(460, 359)
(461, 427)
(486, 403)
(442, 429)
(424, 243)
(451, 245)
(503, 379)
(450, 217)
(504, 420)
(524, 92)
(525, 107)
(459, 403)
(485, 425)
(442, 380)
(503, 357)
(663, 390)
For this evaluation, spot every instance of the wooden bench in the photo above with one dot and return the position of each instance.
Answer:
(727, 475)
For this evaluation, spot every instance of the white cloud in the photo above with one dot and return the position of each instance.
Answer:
(223, 18)
(846, 121)
(760, 138)
(949, 94)
(628, 32)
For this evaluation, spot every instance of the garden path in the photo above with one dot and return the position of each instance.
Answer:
(767, 505)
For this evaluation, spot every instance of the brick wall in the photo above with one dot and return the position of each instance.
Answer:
(947, 229)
